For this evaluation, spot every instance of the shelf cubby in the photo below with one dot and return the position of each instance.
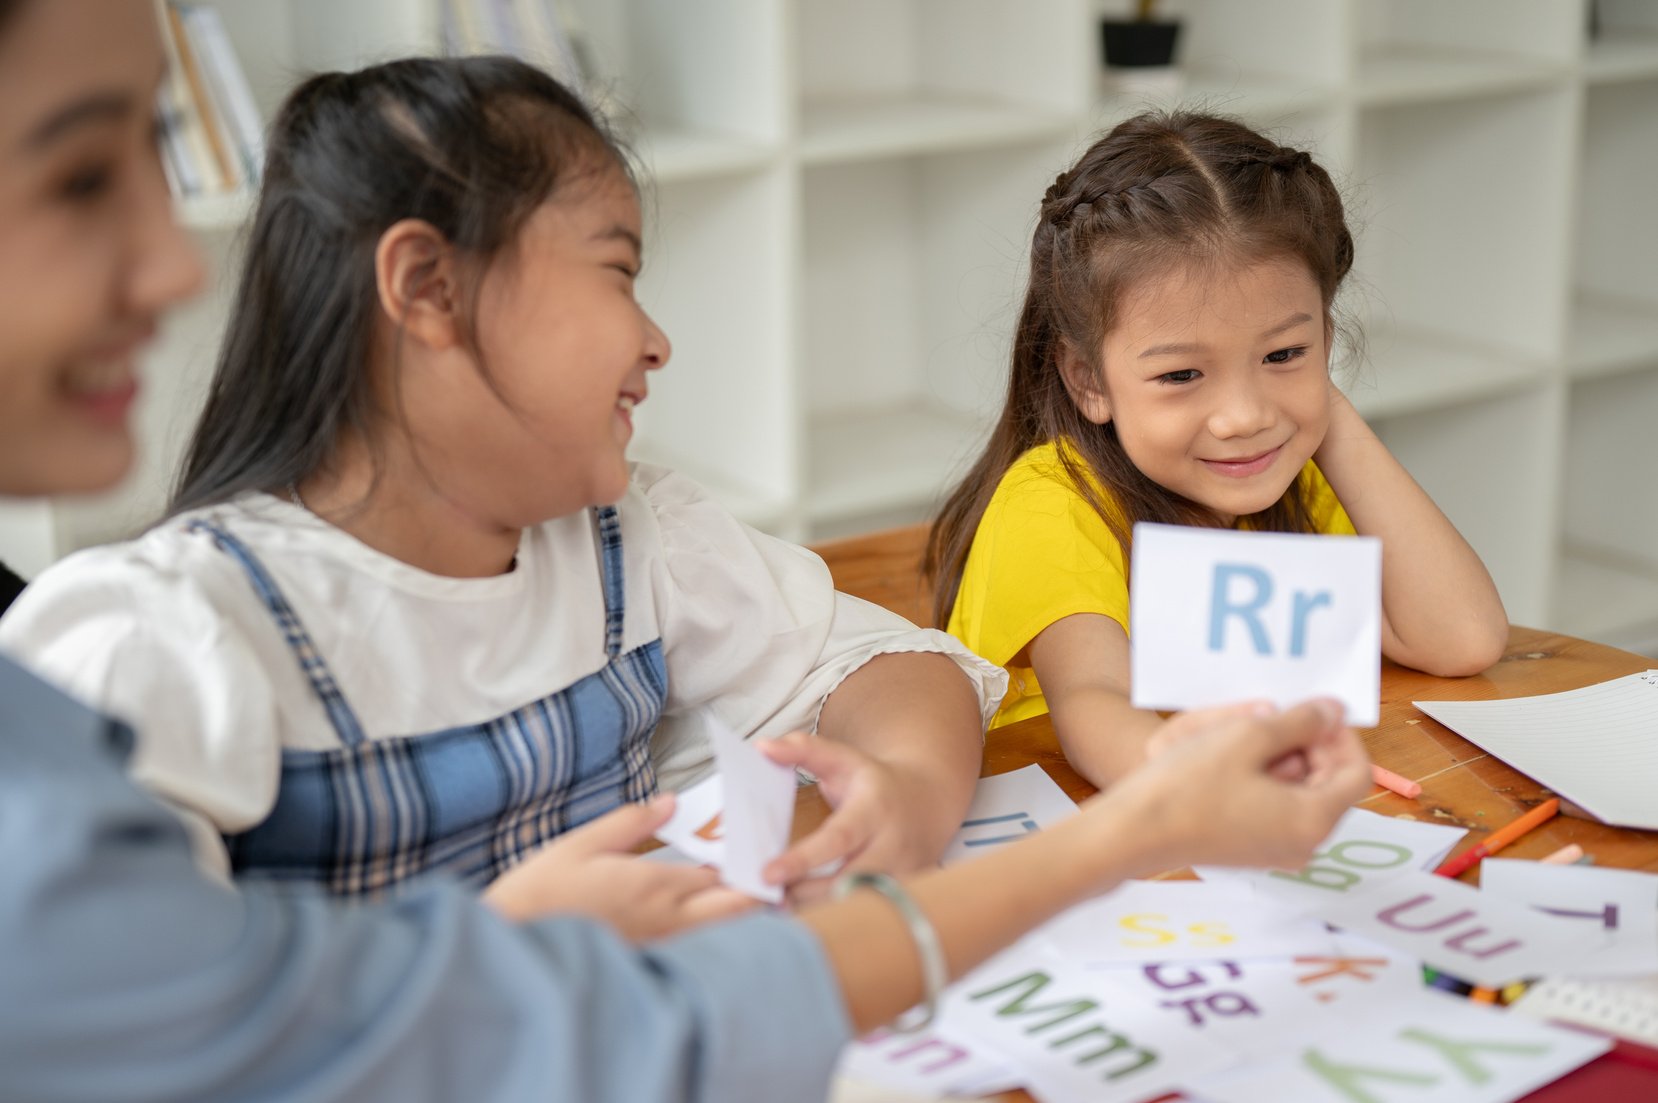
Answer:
(840, 195)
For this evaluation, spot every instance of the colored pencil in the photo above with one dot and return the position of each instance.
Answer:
(1387, 779)
(1565, 856)
(1482, 995)
(1499, 838)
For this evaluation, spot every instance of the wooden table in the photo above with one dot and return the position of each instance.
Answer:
(1461, 784)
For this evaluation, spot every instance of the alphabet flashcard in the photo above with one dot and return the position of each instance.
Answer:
(1218, 616)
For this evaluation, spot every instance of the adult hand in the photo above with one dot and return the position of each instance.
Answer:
(1210, 794)
(879, 820)
(1291, 767)
(592, 871)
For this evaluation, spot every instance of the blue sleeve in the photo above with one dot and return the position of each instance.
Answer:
(126, 975)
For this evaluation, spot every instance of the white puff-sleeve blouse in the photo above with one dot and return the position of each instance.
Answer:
(167, 633)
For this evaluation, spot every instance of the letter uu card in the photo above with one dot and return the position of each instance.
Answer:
(1219, 616)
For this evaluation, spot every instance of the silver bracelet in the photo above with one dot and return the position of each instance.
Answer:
(934, 973)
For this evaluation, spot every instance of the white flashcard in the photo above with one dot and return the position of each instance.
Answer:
(1243, 1007)
(1162, 921)
(1219, 616)
(1369, 845)
(1072, 1033)
(759, 811)
(1621, 904)
(697, 827)
(1361, 971)
(1459, 931)
(739, 818)
(1368, 876)
(1429, 1048)
(1007, 807)
(924, 1063)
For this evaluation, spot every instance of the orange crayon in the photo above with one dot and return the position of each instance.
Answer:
(1500, 838)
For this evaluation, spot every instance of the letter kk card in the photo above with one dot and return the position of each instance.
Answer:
(1218, 616)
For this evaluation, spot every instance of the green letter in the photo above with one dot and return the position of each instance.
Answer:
(1457, 1052)
(1034, 983)
(1344, 1078)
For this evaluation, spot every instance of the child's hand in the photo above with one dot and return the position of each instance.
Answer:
(591, 871)
(1211, 792)
(877, 822)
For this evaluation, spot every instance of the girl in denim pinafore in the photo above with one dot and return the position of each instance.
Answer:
(416, 437)
(470, 801)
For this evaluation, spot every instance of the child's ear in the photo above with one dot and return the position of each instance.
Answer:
(1082, 382)
(416, 279)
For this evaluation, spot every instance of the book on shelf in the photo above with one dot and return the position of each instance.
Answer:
(212, 142)
(545, 33)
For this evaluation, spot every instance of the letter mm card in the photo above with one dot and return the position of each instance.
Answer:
(1219, 616)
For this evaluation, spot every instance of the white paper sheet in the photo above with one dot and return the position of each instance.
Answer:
(1597, 746)
(1457, 930)
(1221, 616)
(1621, 905)
(1370, 845)
(1368, 877)
(1360, 973)
(759, 810)
(1427, 1048)
(1007, 807)
(1162, 921)
(1074, 1034)
(737, 819)
(925, 1064)
(697, 827)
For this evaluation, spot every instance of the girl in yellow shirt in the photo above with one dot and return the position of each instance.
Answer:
(1171, 364)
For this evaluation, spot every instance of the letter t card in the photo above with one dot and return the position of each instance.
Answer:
(1219, 616)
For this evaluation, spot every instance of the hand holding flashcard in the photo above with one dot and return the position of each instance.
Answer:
(739, 819)
(1221, 616)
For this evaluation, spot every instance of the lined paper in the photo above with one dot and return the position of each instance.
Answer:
(1597, 746)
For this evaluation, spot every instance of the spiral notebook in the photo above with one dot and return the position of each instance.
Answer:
(1623, 1006)
(1597, 746)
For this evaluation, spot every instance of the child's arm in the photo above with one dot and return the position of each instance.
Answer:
(1440, 610)
(897, 756)
(1081, 662)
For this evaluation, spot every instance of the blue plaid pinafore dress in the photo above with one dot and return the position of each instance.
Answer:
(468, 801)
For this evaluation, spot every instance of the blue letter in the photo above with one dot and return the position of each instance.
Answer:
(1304, 604)
(1220, 607)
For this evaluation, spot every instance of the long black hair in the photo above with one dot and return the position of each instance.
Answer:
(471, 146)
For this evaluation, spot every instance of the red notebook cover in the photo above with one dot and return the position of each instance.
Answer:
(1626, 1073)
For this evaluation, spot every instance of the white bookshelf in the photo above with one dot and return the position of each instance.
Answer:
(843, 195)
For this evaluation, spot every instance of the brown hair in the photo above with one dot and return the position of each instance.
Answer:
(1161, 189)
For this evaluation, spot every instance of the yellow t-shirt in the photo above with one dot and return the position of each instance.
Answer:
(1041, 553)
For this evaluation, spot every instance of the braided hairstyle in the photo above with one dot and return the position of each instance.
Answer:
(1162, 190)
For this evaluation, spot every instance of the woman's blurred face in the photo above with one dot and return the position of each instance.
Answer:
(89, 254)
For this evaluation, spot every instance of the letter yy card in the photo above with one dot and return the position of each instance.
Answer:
(1218, 616)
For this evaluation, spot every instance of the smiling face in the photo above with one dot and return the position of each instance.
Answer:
(1217, 380)
(89, 253)
(541, 429)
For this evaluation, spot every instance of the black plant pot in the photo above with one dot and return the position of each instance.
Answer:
(1131, 44)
